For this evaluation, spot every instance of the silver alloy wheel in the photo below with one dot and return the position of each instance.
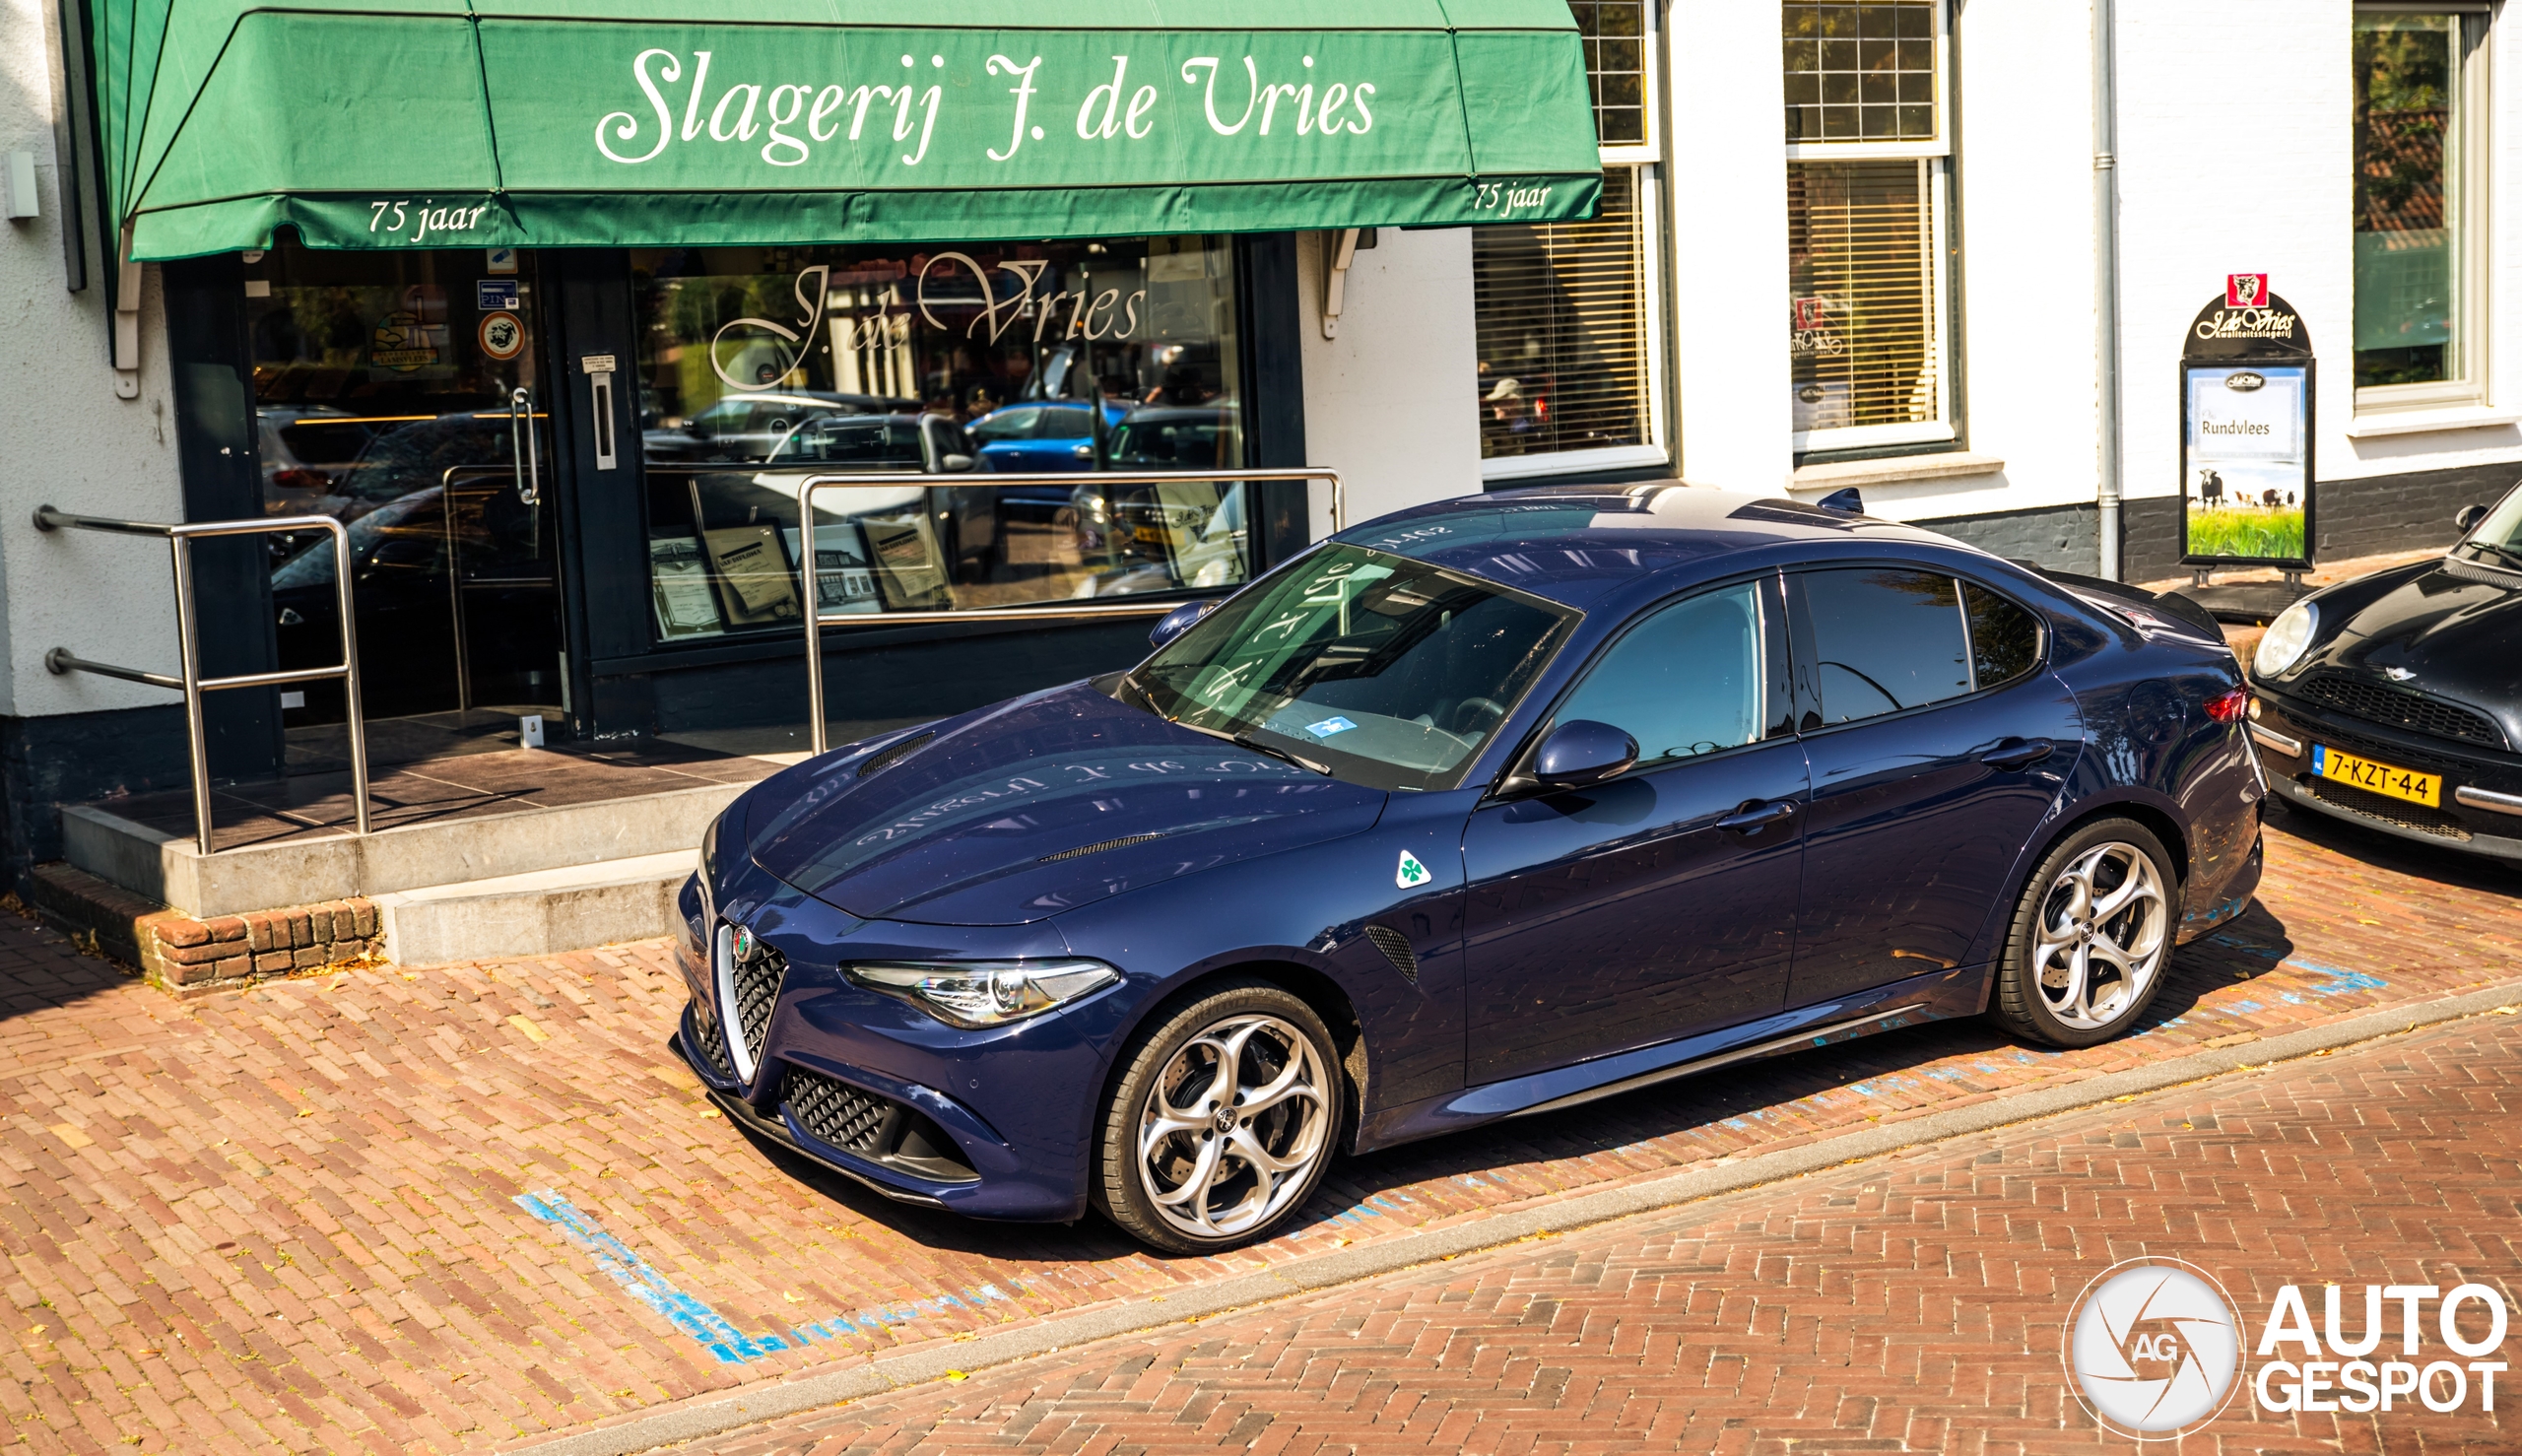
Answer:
(2104, 934)
(1234, 1126)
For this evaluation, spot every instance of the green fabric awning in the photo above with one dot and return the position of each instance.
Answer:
(545, 123)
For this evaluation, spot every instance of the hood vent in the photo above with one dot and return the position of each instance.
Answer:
(895, 755)
(1396, 949)
(1083, 850)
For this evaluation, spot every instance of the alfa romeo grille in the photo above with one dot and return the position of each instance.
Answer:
(1396, 949)
(713, 1041)
(2399, 709)
(836, 1112)
(1083, 850)
(757, 991)
(2389, 811)
(895, 755)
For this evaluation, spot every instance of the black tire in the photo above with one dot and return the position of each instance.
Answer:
(1241, 1200)
(2069, 976)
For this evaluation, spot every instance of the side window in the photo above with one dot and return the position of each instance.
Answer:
(1884, 640)
(2005, 638)
(1684, 682)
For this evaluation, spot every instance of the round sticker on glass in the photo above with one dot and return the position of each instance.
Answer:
(502, 335)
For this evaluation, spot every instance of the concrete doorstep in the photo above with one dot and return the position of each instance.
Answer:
(718, 1414)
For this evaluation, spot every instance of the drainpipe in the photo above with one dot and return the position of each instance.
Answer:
(2106, 214)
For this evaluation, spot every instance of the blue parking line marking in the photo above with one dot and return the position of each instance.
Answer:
(646, 1285)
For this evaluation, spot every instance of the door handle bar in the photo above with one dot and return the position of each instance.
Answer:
(529, 469)
(2022, 755)
(1753, 818)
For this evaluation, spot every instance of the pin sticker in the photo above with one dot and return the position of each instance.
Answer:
(1329, 726)
(1412, 874)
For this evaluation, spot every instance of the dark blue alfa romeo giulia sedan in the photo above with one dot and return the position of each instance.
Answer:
(1487, 808)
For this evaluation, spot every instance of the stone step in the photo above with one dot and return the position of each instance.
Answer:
(433, 854)
(537, 913)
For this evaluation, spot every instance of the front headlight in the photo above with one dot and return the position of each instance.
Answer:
(983, 993)
(2282, 645)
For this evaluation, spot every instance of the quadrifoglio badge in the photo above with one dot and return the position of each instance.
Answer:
(2154, 1347)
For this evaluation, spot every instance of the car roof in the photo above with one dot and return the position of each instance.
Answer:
(1572, 544)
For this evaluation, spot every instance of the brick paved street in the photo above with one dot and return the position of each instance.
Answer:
(1915, 1302)
(292, 1218)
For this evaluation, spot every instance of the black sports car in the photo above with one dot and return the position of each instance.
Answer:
(2395, 700)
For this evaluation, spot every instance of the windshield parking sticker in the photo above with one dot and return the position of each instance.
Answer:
(1329, 726)
(1412, 874)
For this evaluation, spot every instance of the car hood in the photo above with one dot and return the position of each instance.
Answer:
(1037, 806)
(2453, 631)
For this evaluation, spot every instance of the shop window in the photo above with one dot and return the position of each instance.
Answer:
(759, 367)
(1869, 260)
(2418, 85)
(1566, 314)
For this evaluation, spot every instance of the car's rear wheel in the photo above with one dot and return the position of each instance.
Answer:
(1220, 1120)
(2092, 936)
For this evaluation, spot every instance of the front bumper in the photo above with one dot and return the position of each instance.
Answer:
(2487, 820)
(991, 1124)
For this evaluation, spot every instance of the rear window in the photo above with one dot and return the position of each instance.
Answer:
(1885, 640)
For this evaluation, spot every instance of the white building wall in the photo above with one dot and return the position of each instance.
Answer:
(2023, 191)
(2219, 178)
(1392, 401)
(1726, 191)
(67, 440)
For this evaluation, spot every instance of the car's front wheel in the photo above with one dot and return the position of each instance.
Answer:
(1220, 1120)
(2092, 936)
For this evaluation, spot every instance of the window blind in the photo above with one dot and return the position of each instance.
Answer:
(1560, 322)
(1862, 318)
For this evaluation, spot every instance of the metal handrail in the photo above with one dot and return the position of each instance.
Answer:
(191, 684)
(809, 569)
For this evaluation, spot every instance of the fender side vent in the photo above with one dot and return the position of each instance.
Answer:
(1083, 850)
(1396, 949)
(895, 755)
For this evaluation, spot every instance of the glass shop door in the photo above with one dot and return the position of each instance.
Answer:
(402, 394)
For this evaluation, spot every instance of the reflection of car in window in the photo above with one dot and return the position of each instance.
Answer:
(403, 554)
(1164, 438)
(1035, 438)
(749, 427)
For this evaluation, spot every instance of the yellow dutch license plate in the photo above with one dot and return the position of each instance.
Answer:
(2378, 778)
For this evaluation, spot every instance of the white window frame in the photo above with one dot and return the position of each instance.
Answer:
(2474, 98)
(1937, 152)
(1646, 160)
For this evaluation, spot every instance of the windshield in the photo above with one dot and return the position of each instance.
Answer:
(1388, 671)
(2498, 540)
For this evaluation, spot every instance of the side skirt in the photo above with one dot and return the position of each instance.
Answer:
(1936, 996)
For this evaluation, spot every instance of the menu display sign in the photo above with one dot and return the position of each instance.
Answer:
(2247, 432)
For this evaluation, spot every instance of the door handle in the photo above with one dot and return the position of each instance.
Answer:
(529, 469)
(1754, 817)
(2021, 754)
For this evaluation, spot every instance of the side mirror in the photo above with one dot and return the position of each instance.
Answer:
(955, 464)
(1582, 751)
(2470, 516)
(1175, 623)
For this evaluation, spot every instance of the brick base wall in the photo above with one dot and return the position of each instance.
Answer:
(188, 955)
(2352, 518)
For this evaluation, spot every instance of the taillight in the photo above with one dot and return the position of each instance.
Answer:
(2228, 706)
